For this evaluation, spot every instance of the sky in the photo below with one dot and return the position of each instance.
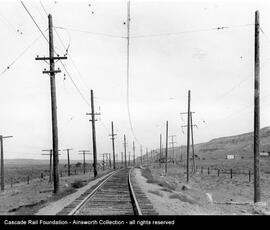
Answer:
(175, 46)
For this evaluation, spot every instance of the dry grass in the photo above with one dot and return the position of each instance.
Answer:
(183, 198)
(166, 190)
(156, 192)
(150, 179)
(78, 184)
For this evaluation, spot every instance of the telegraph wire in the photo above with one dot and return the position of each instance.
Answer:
(43, 8)
(74, 84)
(89, 32)
(34, 21)
(20, 55)
(188, 31)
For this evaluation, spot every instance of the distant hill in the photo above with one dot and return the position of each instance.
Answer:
(241, 145)
(35, 162)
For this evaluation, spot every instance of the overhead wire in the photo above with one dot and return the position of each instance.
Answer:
(19, 56)
(34, 21)
(189, 31)
(89, 32)
(103, 125)
(74, 84)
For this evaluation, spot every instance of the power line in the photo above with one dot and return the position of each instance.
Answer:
(34, 21)
(43, 8)
(128, 49)
(267, 38)
(78, 90)
(188, 31)
(90, 32)
(79, 74)
(74, 84)
(104, 126)
(72, 61)
(19, 56)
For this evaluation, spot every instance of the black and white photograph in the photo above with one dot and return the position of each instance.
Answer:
(133, 108)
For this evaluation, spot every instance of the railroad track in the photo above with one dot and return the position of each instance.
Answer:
(116, 194)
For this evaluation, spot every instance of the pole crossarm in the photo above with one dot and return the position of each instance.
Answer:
(190, 125)
(51, 72)
(6, 137)
(50, 58)
(93, 114)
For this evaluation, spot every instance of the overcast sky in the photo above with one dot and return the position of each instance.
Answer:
(174, 47)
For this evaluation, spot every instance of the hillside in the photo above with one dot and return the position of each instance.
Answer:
(241, 145)
(35, 162)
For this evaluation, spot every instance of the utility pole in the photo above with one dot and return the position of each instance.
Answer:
(192, 144)
(49, 154)
(189, 126)
(125, 150)
(2, 161)
(116, 159)
(68, 160)
(141, 156)
(129, 158)
(52, 73)
(257, 187)
(172, 143)
(84, 152)
(110, 162)
(188, 135)
(133, 147)
(122, 158)
(93, 120)
(103, 162)
(113, 137)
(192, 139)
(51, 160)
(166, 150)
(160, 147)
(108, 159)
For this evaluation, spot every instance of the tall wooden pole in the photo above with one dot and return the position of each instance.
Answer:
(52, 73)
(141, 156)
(51, 171)
(125, 150)
(2, 164)
(84, 152)
(83, 162)
(192, 144)
(2, 161)
(68, 160)
(133, 153)
(54, 109)
(160, 147)
(94, 134)
(166, 150)
(188, 135)
(103, 162)
(257, 188)
(113, 146)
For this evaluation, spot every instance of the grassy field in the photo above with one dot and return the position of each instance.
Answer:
(224, 190)
(16, 173)
(26, 199)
